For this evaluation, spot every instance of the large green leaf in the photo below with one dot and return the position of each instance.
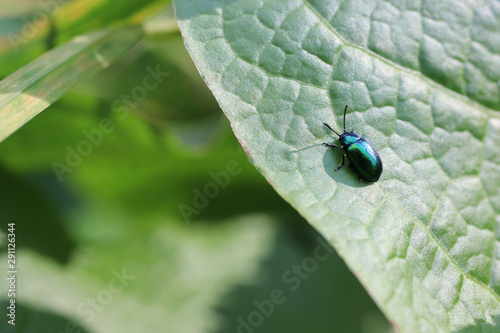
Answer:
(37, 85)
(419, 82)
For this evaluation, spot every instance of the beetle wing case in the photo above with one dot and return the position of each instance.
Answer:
(365, 160)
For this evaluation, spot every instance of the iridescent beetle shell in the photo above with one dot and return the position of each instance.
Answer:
(363, 157)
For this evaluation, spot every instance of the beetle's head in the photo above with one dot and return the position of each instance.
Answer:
(348, 138)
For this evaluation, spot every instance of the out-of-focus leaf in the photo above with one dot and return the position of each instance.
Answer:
(196, 279)
(172, 276)
(27, 30)
(81, 16)
(162, 22)
(11, 8)
(34, 87)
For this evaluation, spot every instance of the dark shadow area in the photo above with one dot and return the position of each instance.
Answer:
(302, 286)
(39, 224)
(29, 320)
(331, 160)
(240, 198)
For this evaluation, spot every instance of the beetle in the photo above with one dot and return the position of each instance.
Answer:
(363, 157)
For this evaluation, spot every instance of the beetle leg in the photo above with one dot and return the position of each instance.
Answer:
(343, 157)
(331, 145)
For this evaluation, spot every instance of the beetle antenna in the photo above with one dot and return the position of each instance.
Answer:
(331, 129)
(345, 110)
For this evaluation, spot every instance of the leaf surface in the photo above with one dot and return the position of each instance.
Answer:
(423, 240)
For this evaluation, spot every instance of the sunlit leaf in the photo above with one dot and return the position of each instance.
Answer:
(423, 240)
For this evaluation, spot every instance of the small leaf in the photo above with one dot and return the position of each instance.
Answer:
(424, 239)
(37, 85)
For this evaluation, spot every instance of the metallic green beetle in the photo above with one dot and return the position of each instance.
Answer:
(363, 158)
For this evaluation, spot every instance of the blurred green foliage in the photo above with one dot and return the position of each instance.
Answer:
(118, 208)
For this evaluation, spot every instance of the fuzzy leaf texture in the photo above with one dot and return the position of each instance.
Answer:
(422, 81)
